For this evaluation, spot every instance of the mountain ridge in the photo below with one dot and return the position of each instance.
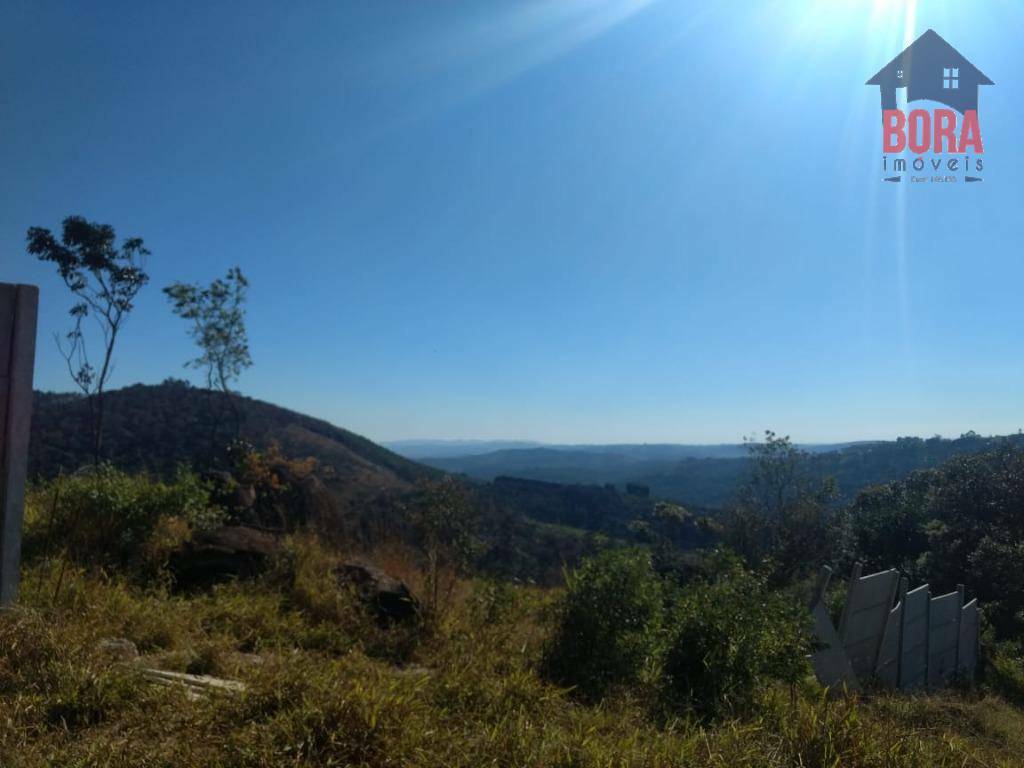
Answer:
(157, 427)
(444, 449)
(710, 481)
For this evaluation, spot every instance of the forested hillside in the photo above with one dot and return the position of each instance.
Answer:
(157, 427)
(529, 530)
(712, 481)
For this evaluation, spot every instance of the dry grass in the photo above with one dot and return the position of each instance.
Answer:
(326, 690)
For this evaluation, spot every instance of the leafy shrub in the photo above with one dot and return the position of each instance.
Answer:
(607, 623)
(111, 518)
(1004, 672)
(959, 523)
(728, 639)
(285, 491)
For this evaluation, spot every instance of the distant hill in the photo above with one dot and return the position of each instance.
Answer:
(711, 481)
(432, 451)
(533, 526)
(420, 449)
(531, 529)
(158, 427)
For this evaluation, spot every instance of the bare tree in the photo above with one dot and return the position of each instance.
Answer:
(105, 279)
(217, 315)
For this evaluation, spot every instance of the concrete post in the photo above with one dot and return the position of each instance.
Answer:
(893, 589)
(18, 309)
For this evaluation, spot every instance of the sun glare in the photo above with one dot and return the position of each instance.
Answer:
(892, 16)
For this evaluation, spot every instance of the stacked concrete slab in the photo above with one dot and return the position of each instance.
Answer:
(894, 637)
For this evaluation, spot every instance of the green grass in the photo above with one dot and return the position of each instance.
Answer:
(325, 686)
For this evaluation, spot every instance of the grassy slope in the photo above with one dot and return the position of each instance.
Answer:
(327, 691)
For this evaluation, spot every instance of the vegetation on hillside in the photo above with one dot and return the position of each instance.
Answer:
(323, 694)
(712, 482)
(327, 686)
(531, 529)
(644, 658)
(156, 428)
(961, 523)
(675, 639)
(779, 521)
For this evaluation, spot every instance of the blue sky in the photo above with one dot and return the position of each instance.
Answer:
(569, 220)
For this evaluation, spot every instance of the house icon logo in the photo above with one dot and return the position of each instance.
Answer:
(945, 141)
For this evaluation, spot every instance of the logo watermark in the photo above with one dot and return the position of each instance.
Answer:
(938, 145)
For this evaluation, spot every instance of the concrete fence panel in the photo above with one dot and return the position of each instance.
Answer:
(943, 638)
(914, 640)
(887, 669)
(920, 642)
(869, 600)
(967, 653)
(829, 660)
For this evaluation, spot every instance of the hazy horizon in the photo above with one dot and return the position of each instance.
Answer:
(530, 442)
